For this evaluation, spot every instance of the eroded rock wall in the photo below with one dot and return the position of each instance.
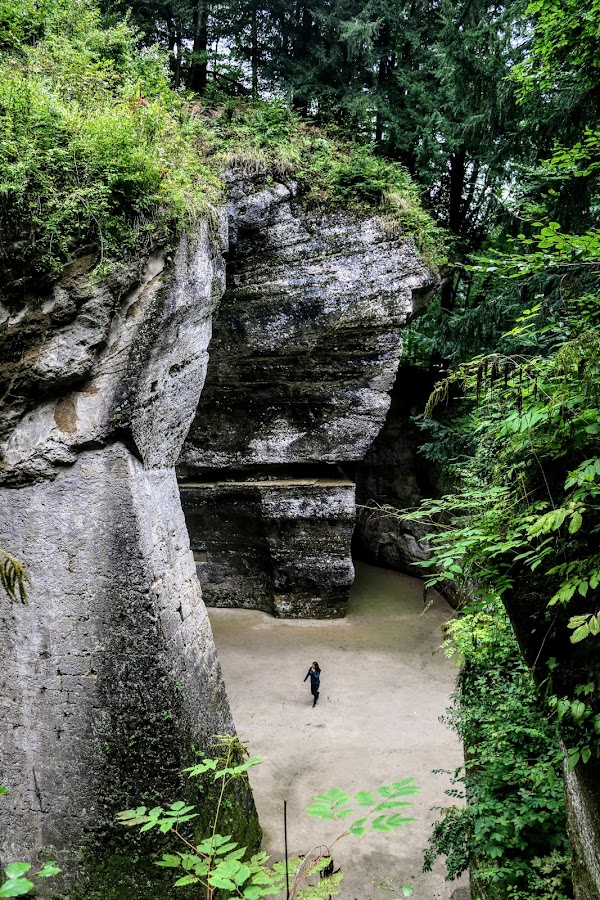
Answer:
(305, 348)
(279, 546)
(109, 673)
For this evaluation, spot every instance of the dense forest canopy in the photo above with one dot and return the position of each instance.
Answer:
(116, 124)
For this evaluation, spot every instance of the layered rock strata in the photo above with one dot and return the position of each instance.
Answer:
(109, 673)
(280, 546)
(306, 344)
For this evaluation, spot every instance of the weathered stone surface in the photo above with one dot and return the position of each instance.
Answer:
(305, 348)
(277, 546)
(307, 338)
(128, 362)
(109, 674)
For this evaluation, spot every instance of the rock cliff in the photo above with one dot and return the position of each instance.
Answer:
(109, 673)
(306, 344)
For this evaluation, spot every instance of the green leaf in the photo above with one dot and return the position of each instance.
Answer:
(398, 821)
(253, 892)
(320, 811)
(576, 522)
(219, 882)
(186, 879)
(16, 869)
(48, 870)
(16, 887)
(242, 875)
(580, 633)
(586, 754)
(365, 798)
(381, 824)
(393, 804)
(228, 868)
(169, 861)
(334, 796)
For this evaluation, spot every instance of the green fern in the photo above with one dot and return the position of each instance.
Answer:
(13, 577)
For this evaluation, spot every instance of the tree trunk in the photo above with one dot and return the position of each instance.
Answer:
(455, 217)
(582, 795)
(254, 54)
(197, 77)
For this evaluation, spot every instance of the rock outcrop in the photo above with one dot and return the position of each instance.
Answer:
(109, 673)
(306, 344)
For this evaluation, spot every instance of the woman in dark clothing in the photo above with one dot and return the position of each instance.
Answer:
(315, 681)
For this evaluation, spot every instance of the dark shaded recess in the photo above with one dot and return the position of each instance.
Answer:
(229, 542)
(393, 472)
(271, 472)
(246, 558)
(560, 667)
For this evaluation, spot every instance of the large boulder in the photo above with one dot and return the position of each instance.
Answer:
(306, 344)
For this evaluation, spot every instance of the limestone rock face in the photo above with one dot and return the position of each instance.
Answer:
(307, 338)
(109, 673)
(306, 344)
(280, 546)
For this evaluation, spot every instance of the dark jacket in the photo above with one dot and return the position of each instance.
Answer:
(315, 678)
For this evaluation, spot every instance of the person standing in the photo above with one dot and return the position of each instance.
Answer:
(315, 681)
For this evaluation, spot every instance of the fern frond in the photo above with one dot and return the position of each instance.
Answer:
(13, 577)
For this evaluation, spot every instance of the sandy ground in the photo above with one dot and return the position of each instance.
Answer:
(377, 721)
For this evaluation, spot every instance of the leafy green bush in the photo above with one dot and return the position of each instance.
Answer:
(512, 830)
(332, 172)
(94, 146)
(97, 148)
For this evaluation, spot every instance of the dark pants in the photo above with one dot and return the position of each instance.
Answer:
(314, 689)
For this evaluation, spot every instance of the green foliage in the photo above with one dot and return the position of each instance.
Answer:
(524, 496)
(512, 831)
(97, 149)
(17, 884)
(94, 145)
(218, 863)
(562, 56)
(405, 890)
(258, 138)
(18, 874)
(333, 804)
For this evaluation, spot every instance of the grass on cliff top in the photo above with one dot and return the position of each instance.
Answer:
(97, 148)
(270, 139)
(93, 143)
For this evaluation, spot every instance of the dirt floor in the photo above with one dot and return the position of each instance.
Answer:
(377, 721)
